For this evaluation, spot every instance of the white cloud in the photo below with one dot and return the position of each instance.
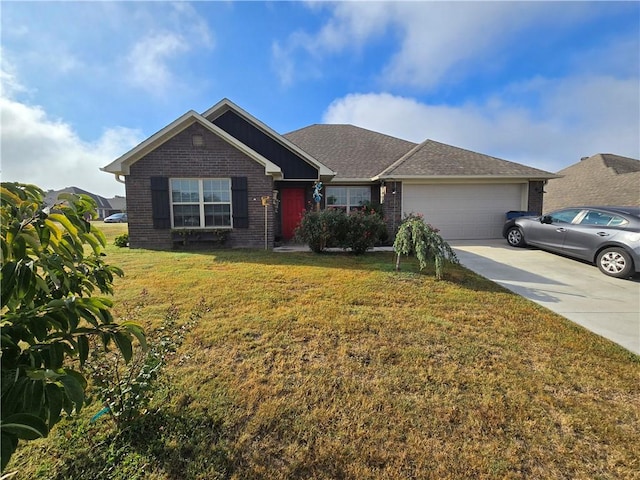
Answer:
(578, 116)
(47, 152)
(9, 83)
(351, 25)
(147, 63)
(435, 40)
(151, 63)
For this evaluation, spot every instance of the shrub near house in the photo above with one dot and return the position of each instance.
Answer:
(358, 231)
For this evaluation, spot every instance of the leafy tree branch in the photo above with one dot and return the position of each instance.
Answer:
(51, 265)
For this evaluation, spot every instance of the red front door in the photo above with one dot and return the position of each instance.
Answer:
(292, 206)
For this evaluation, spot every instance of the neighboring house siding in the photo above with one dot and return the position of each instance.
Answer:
(178, 158)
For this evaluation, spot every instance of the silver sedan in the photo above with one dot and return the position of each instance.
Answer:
(608, 237)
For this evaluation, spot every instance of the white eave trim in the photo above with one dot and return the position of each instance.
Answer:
(226, 104)
(426, 178)
(349, 181)
(121, 166)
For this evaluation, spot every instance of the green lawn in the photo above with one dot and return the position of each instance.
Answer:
(334, 366)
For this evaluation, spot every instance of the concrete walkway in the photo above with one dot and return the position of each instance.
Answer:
(607, 306)
(578, 291)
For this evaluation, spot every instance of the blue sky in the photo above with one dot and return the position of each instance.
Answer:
(540, 83)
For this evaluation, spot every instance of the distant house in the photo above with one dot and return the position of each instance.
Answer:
(226, 170)
(105, 207)
(602, 179)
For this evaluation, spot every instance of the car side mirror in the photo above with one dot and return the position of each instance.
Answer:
(546, 219)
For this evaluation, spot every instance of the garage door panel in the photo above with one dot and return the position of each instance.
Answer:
(464, 211)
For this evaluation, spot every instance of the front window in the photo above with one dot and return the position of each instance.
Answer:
(348, 198)
(201, 203)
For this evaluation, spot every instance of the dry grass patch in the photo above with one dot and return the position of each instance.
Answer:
(333, 366)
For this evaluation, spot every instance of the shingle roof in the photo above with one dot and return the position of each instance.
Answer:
(435, 159)
(352, 152)
(51, 197)
(602, 179)
(620, 164)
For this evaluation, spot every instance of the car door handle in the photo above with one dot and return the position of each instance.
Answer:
(602, 234)
(561, 229)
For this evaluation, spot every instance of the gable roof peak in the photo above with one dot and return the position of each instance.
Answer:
(225, 105)
(618, 163)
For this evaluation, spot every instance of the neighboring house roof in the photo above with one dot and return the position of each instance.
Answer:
(436, 160)
(354, 153)
(51, 197)
(118, 203)
(602, 179)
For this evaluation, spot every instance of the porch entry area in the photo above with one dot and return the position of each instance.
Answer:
(292, 207)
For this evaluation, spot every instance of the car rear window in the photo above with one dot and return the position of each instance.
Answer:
(595, 217)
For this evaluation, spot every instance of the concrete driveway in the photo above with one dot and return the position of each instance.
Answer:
(607, 306)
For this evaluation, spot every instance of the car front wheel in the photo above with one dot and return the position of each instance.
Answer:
(614, 262)
(515, 238)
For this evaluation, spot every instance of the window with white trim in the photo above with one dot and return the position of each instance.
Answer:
(347, 198)
(200, 202)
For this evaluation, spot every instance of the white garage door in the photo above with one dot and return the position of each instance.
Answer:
(464, 211)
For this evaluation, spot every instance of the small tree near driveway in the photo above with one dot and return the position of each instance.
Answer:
(415, 237)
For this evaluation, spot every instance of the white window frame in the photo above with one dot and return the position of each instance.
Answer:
(201, 203)
(350, 189)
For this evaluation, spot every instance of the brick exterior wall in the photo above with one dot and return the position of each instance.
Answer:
(536, 197)
(392, 208)
(215, 159)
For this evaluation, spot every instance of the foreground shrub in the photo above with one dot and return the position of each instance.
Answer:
(415, 237)
(365, 228)
(126, 389)
(323, 229)
(122, 240)
(359, 231)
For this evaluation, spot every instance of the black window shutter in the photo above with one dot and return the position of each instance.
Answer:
(240, 202)
(160, 202)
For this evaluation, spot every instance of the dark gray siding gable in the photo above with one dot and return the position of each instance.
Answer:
(293, 167)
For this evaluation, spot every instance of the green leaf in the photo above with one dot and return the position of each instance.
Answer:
(73, 391)
(8, 444)
(54, 398)
(124, 345)
(137, 331)
(64, 221)
(24, 426)
(34, 396)
(99, 235)
(83, 348)
(8, 278)
(12, 394)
